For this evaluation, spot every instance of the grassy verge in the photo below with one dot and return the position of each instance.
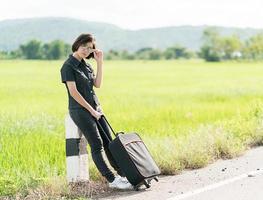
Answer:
(33, 163)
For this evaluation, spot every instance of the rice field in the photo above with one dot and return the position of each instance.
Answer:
(189, 113)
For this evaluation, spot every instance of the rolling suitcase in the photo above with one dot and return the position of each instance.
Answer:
(133, 157)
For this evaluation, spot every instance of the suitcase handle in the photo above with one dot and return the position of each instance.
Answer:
(103, 116)
(115, 134)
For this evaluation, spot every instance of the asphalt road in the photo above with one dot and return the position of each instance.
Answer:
(247, 188)
(236, 179)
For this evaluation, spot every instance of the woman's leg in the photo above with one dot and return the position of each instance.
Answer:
(106, 141)
(87, 124)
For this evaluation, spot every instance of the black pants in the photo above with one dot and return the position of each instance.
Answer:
(97, 140)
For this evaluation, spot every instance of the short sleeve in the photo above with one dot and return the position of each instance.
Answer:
(67, 74)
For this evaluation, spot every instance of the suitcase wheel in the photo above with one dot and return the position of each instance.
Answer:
(156, 179)
(146, 183)
(149, 181)
(136, 188)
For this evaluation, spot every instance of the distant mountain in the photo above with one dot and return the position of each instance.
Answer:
(108, 36)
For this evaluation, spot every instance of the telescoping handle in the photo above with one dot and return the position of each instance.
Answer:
(103, 117)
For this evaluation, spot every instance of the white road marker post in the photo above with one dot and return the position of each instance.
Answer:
(76, 153)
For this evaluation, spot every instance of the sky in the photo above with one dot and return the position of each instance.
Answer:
(139, 14)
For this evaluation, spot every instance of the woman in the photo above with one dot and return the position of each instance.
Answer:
(84, 107)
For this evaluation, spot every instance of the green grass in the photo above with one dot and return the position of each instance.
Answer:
(189, 113)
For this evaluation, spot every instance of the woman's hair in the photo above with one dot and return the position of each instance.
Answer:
(84, 39)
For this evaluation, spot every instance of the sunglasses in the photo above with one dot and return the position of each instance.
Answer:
(85, 47)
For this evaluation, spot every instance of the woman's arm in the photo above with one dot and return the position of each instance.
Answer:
(78, 97)
(98, 55)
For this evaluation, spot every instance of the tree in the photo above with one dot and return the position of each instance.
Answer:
(212, 47)
(3, 54)
(124, 54)
(45, 50)
(168, 53)
(112, 54)
(31, 50)
(143, 53)
(231, 45)
(253, 48)
(67, 49)
(54, 50)
(176, 52)
(155, 54)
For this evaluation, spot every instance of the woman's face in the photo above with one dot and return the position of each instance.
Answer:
(85, 49)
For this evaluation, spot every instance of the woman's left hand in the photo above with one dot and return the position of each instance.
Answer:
(98, 55)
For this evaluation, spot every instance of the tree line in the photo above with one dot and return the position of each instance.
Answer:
(35, 49)
(215, 47)
(57, 49)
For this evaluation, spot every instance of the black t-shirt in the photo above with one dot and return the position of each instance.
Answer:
(83, 75)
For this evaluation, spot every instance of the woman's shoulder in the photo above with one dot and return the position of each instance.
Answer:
(65, 65)
(71, 61)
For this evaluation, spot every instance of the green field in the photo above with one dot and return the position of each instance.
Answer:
(189, 113)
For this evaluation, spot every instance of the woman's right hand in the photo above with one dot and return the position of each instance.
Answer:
(96, 114)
